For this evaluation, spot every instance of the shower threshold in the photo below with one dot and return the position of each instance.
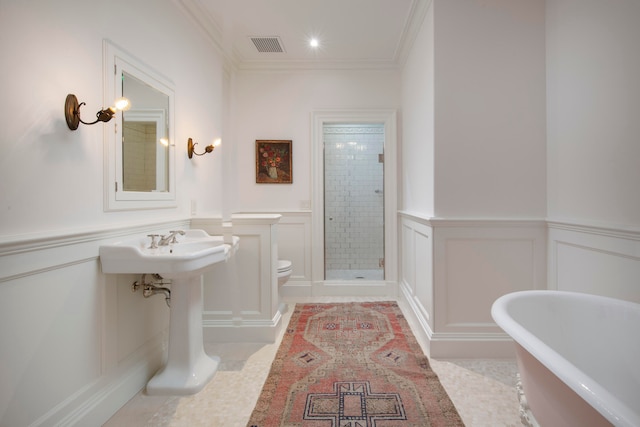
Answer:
(374, 274)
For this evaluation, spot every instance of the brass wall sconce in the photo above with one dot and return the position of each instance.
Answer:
(208, 149)
(72, 111)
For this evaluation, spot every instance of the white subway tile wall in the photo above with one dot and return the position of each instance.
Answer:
(354, 201)
(139, 168)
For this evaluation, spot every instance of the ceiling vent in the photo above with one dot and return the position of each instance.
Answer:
(268, 44)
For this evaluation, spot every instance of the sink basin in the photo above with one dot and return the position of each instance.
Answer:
(188, 368)
(194, 252)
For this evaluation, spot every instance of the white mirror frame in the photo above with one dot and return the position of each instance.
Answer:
(117, 61)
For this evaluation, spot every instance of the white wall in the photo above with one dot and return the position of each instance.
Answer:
(593, 64)
(474, 157)
(490, 153)
(473, 116)
(278, 105)
(417, 147)
(498, 163)
(76, 344)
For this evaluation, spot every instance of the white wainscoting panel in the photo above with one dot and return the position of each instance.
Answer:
(451, 282)
(475, 272)
(601, 260)
(75, 344)
(416, 261)
(476, 262)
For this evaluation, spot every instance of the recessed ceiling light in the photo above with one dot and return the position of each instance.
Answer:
(313, 43)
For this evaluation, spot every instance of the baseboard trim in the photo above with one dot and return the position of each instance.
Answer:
(355, 289)
(417, 319)
(293, 289)
(449, 345)
(471, 346)
(99, 400)
(241, 330)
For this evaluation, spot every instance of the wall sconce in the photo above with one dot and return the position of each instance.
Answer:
(72, 111)
(208, 149)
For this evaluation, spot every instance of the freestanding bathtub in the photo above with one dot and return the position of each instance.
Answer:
(578, 356)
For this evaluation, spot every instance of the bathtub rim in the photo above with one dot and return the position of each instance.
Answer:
(601, 399)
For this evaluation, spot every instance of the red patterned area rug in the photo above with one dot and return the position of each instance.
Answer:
(351, 365)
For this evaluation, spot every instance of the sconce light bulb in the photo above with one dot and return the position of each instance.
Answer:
(122, 104)
(314, 42)
(164, 141)
(217, 142)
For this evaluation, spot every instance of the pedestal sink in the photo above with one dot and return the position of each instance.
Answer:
(188, 368)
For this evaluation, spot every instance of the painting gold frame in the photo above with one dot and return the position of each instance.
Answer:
(273, 161)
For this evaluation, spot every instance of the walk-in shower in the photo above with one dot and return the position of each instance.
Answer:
(354, 201)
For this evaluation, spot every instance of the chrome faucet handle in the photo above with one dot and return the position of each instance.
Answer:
(154, 244)
(174, 233)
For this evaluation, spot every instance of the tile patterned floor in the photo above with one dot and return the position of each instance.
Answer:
(483, 391)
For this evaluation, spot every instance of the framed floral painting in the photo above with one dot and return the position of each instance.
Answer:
(273, 162)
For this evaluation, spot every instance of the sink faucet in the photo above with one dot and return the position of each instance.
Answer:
(170, 238)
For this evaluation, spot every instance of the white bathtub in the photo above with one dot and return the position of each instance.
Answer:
(578, 356)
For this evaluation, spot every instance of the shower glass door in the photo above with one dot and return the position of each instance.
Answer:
(354, 201)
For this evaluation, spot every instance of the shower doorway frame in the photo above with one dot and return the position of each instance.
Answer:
(388, 286)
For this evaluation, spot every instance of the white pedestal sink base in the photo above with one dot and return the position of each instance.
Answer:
(188, 368)
(183, 382)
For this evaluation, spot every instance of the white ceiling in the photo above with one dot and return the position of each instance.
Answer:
(351, 33)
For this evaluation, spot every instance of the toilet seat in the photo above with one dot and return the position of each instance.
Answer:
(284, 265)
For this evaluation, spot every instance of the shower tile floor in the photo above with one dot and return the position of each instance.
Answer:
(483, 390)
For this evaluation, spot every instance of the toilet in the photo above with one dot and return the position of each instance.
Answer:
(284, 271)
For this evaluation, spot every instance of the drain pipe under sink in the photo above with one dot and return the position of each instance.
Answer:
(151, 288)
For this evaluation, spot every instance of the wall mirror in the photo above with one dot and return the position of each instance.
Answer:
(140, 148)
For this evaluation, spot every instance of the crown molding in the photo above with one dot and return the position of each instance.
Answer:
(209, 26)
(251, 65)
(415, 19)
